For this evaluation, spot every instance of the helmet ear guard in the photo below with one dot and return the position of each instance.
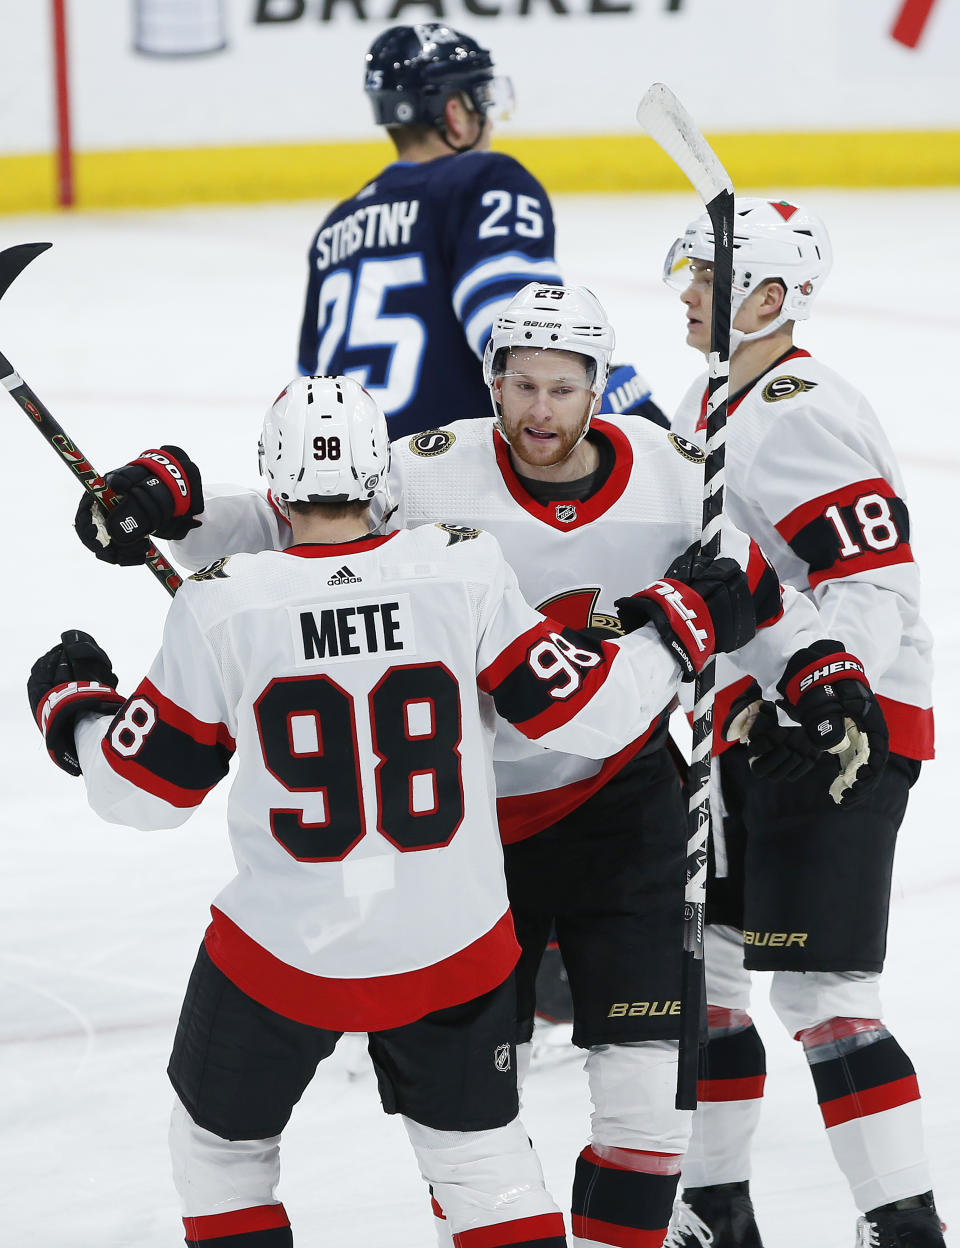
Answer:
(324, 439)
(772, 240)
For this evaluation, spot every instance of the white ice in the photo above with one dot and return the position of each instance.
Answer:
(181, 326)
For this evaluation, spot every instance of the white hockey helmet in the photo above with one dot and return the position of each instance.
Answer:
(324, 439)
(552, 318)
(771, 239)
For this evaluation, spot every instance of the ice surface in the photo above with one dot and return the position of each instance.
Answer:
(181, 326)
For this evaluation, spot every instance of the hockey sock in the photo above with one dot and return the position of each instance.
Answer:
(623, 1196)
(733, 1070)
(870, 1101)
(264, 1226)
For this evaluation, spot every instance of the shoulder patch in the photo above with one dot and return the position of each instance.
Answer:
(459, 533)
(689, 450)
(432, 442)
(213, 571)
(785, 388)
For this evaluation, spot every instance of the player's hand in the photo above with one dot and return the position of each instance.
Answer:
(699, 607)
(161, 493)
(775, 750)
(825, 690)
(73, 678)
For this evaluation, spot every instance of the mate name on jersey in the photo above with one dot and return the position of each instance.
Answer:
(361, 713)
(811, 475)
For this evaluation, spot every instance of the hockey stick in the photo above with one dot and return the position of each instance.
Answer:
(668, 122)
(12, 263)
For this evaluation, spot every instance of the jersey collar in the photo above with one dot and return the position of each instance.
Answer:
(337, 550)
(795, 353)
(573, 515)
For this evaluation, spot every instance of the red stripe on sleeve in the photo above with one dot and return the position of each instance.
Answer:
(866, 562)
(515, 654)
(146, 780)
(910, 728)
(200, 730)
(237, 1222)
(801, 516)
(870, 1101)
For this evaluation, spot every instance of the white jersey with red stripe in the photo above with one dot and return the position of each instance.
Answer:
(359, 686)
(812, 476)
(572, 560)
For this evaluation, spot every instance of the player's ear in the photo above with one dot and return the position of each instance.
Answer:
(773, 296)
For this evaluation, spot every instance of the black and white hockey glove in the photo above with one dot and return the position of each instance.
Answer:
(776, 751)
(826, 690)
(700, 607)
(74, 678)
(161, 493)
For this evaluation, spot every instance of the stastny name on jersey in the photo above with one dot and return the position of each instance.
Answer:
(352, 630)
(376, 225)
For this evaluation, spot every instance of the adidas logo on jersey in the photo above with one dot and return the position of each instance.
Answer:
(343, 576)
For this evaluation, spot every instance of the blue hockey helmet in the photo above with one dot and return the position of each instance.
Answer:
(411, 71)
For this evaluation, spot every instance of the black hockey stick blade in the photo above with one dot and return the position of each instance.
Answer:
(14, 260)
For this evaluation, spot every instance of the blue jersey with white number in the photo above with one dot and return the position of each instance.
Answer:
(405, 280)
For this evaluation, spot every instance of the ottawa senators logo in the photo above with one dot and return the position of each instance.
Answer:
(459, 533)
(689, 450)
(575, 609)
(785, 388)
(432, 442)
(213, 571)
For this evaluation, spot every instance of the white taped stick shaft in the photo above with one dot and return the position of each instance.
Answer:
(666, 120)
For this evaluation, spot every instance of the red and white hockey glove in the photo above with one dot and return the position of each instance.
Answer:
(700, 607)
(161, 493)
(826, 691)
(73, 678)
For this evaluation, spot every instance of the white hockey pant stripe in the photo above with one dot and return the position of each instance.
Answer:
(212, 1175)
(481, 1178)
(633, 1088)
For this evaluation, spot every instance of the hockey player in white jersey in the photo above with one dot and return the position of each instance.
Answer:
(578, 504)
(357, 675)
(810, 474)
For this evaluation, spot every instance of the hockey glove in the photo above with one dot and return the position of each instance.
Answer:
(826, 690)
(74, 678)
(699, 607)
(161, 493)
(776, 751)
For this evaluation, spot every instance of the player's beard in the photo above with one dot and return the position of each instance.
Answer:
(551, 452)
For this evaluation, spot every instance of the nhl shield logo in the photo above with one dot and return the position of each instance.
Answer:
(501, 1057)
(566, 513)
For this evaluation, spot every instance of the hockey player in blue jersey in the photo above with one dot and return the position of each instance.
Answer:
(407, 276)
